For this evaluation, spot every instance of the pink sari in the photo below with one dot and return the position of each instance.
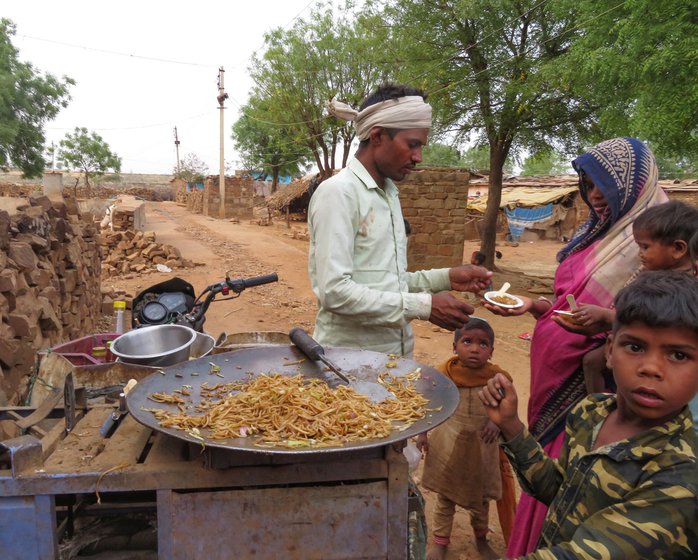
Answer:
(594, 274)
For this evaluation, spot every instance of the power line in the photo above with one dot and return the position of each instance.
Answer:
(117, 53)
(168, 124)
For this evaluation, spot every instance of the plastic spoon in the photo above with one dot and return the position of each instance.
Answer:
(503, 289)
(572, 302)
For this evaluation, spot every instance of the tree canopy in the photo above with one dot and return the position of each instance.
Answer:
(497, 75)
(88, 152)
(267, 147)
(639, 62)
(28, 100)
(191, 169)
(329, 55)
(545, 162)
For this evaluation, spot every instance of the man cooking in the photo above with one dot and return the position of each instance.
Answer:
(358, 247)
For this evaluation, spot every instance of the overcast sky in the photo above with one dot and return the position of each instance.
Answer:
(144, 67)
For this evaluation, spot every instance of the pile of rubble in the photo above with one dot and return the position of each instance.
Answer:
(125, 252)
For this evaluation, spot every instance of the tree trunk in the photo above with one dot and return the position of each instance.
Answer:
(494, 197)
(88, 189)
(274, 179)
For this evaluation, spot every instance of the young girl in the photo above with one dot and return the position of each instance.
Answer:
(462, 463)
(663, 235)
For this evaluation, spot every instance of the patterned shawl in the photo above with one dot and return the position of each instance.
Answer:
(596, 263)
(621, 168)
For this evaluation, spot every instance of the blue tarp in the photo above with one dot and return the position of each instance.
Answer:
(195, 187)
(520, 218)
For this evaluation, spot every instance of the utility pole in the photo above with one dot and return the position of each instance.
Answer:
(177, 148)
(222, 96)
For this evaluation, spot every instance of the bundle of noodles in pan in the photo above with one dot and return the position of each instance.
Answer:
(296, 411)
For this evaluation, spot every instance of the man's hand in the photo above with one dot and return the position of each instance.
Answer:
(501, 405)
(469, 278)
(449, 312)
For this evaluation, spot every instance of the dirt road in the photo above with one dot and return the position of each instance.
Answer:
(244, 250)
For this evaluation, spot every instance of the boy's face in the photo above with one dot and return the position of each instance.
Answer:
(474, 348)
(656, 255)
(656, 370)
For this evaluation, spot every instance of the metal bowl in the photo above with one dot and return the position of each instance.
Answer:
(202, 345)
(159, 345)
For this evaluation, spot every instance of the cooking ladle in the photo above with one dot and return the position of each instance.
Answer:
(314, 351)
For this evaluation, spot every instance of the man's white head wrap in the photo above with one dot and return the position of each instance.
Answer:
(402, 113)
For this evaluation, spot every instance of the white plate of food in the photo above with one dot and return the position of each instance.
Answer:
(505, 300)
(566, 316)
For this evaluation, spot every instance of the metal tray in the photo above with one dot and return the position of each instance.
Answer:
(363, 364)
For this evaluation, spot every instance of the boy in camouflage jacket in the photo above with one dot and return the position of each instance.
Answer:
(626, 482)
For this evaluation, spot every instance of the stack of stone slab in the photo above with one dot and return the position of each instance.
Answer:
(131, 251)
(49, 282)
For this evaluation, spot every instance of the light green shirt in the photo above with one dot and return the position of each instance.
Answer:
(358, 266)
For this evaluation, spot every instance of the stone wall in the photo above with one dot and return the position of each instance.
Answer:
(434, 203)
(49, 282)
(239, 197)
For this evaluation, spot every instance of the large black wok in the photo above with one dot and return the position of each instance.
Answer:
(363, 364)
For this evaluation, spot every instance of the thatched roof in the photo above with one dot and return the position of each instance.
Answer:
(287, 194)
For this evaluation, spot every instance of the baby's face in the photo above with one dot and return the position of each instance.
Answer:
(474, 348)
(654, 254)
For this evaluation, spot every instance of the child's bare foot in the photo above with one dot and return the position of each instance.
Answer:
(484, 549)
(436, 551)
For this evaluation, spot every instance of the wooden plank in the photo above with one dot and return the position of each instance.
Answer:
(41, 412)
(51, 440)
(80, 446)
(124, 447)
(304, 523)
(166, 449)
(185, 475)
(398, 495)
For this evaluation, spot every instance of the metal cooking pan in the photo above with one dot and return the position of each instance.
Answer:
(363, 364)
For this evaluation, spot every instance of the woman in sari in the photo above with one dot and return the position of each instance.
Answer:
(618, 181)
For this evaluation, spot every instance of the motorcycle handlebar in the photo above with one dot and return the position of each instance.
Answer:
(240, 284)
(259, 280)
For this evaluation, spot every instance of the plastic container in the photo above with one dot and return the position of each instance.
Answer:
(119, 314)
(412, 454)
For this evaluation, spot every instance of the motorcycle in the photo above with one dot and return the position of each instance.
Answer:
(175, 302)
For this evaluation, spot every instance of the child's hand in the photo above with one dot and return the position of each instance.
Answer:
(490, 432)
(422, 443)
(588, 320)
(501, 405)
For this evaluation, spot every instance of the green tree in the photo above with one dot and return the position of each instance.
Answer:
(88, 152)
(639, 61)
(477, 158)
(329, 55)
(441, 155)
(28, 100)
(496, 74)
(267, 148)
(191, 169)
(545, 162)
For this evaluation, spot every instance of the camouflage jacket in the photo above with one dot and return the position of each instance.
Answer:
(635, 498)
